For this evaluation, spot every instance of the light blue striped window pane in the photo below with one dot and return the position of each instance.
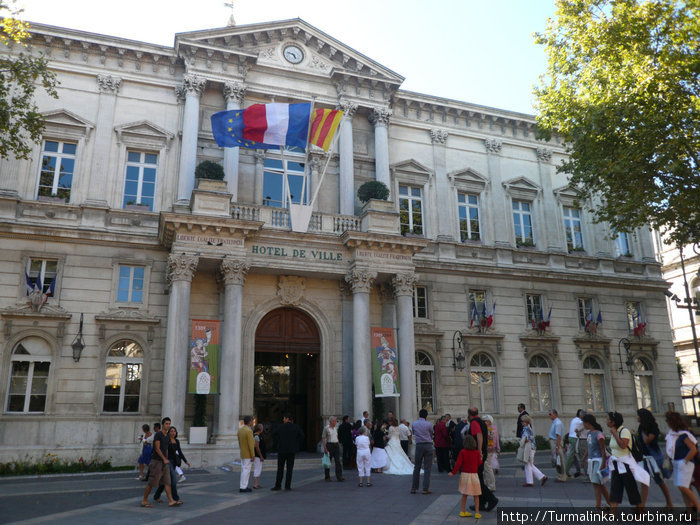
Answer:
(134, 156)
(50, 145)
(69, 148)
(461, 198)
(151, 158)
(473, 199)
(274, 164)
(124, 280)
(149, 175)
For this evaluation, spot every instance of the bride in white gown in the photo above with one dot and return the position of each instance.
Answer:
(397, 461)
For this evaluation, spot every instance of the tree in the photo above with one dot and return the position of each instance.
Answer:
(20, 74)
(622, 89)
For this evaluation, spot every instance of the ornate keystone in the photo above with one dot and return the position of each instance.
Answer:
(182, 267)
(290, 289)
(233, 272)
(361, 281)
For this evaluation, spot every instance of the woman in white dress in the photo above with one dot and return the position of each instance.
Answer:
(397, 461)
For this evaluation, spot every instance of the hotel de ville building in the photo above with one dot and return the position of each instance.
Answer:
(498, 286)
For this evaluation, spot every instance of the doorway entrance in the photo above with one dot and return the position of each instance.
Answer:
(287, 347)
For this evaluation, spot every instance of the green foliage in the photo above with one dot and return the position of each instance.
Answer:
(541, 442)
(209, 170)
(51, 464)
(622, 89)
(21, 123)
(373, 189)
(200, 411)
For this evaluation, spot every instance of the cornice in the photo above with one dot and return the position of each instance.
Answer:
(171, 223)
(383, 242)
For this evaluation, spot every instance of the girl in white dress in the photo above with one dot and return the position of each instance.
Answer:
(363, 455)
(397, 461)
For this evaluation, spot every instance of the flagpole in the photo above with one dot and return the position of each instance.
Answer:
(286, 179)
(306, 153)
(328, 160)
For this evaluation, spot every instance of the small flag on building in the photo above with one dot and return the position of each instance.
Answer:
(323, 127)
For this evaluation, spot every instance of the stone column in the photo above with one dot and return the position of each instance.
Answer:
(346, 299)
(552, 230)
(380, 118)
(443, 201)
(403, 288)
(192, 87)
(104, 128)
(500, 212)
(181, 270)
(233, 94)
(646, 244)
(315, 165)
(361, 281)
(233, 275)
(346, 183)
(259, 155)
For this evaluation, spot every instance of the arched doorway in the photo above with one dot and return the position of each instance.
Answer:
(287, 347)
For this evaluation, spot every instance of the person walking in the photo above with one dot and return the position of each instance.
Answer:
(246, 444)
(362, 443)
(146, 449)
(575, 429)
(529, 446)
(648, 432)
(624, 470)
(345, 438)
(479, 430)
(442, 445)
(556, 444)
(159, 471)
(331, 446)
(681, 447)
(175, 458)
(597, 458)
(260, 454)
(494, 448)
(423, 434)
(467, 465)
(519, 425)
(289, 436)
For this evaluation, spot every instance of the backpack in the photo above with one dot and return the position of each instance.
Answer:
(635, 446)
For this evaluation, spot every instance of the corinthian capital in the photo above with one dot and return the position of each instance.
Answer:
(379, 116)
(360, 280)
(404, 283)
(493, 145)
(181, 267)
(438, 136)
(234, 92)
(233, 272)
(544, 154)
(108, 84)
(193, 85)
(349, 108)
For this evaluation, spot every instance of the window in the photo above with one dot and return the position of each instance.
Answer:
(410, 210)
(140, 186)
(57, 167)
(695, 287)
(634, 315)
(123, 377)
(274, 184)
(572, 227)
(623, 245)
(594, 384)
(522, 221)
(533, 305)
(477, 298)
(130, 288)
(29, 376)
(643, 383)
(42, 274)
(468, 206)
(585, 307)
(425, 386)
(482, 382)
(540, 384)
(420, 302)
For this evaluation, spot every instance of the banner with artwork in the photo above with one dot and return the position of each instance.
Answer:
(204, 357)
(385, 365)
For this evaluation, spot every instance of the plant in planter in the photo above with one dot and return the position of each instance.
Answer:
(209, 170)
(525, 243)
(373, 189)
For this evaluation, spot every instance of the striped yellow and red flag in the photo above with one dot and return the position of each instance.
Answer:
(323, 126)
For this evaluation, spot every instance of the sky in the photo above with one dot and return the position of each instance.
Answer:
(476, 51)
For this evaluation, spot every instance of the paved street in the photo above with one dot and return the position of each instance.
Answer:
(212, 496)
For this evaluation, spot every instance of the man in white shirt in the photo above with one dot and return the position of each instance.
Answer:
(575, 429)
(404, 435)
(331, 446)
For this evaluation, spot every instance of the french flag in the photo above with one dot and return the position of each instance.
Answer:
(262, 126)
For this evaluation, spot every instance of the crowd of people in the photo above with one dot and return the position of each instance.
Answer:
(621, 462)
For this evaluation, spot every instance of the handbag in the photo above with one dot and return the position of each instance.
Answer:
(326, 461)
(520, 455)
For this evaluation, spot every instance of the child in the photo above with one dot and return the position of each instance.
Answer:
(260, 451)
(468, 463)
(363, 455)
(146, 444)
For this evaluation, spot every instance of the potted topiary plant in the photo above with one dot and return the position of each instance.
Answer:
(211, 196)
(210, 176)
(198, 430)
(378, 214)
(373, 189)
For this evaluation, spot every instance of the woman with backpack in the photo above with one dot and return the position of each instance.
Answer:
(648, 434)
(596, 454)
(681, 447)
(624, 470)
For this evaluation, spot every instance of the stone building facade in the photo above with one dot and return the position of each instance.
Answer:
(106, 222)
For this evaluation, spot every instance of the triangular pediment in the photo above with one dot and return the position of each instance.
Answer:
(468, 175)
(521, 184)
(566, 192)
(322, 54)
(64, 119)
(145, 133)
(410, 166)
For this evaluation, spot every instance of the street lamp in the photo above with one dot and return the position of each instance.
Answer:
(629, 361)
(458, 359)
(78, 344)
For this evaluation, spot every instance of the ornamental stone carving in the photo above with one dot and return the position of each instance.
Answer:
(544, 154)
(493, 145)
(361, 281)
(349, 108)
(404, 283)
(193, 85)
(108, 84)
(234, 92)
(345, 289)
(290, 289)
(182, 267)
(179, 93)
(438, 136)
(379, 116)
(233, 272)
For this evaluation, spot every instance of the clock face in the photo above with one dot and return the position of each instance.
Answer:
(293, 54)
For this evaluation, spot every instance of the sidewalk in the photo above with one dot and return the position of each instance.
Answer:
(212, 496)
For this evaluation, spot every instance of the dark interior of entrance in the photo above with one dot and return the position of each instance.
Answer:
(287, 374)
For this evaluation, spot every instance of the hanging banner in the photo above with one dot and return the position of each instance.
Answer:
(204, 357)
(385, 366)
